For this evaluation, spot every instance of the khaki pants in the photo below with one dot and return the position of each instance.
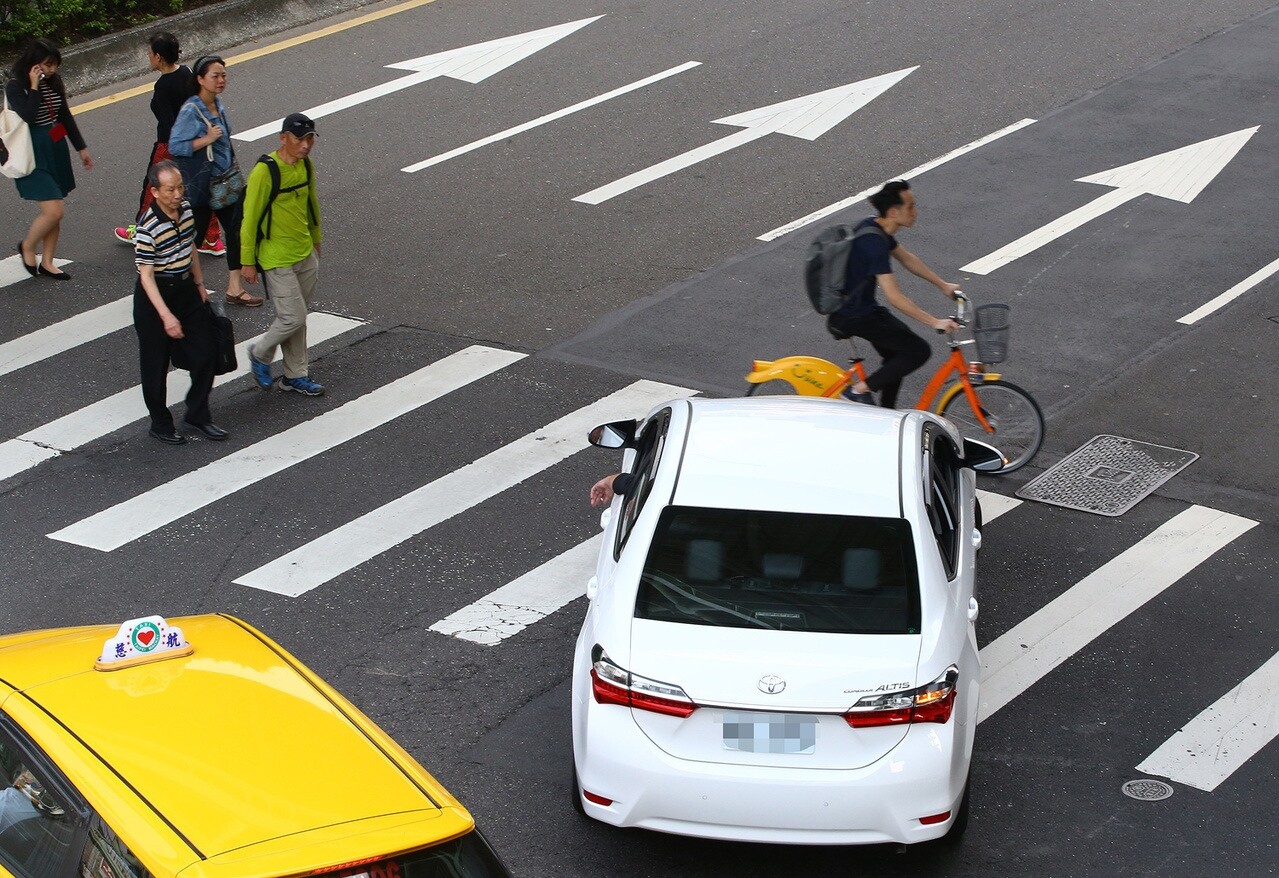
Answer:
(290, 288)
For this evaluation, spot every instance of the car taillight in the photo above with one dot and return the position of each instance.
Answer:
(616, 685)
(927, 704)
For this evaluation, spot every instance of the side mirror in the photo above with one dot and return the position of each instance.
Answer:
(618, 434)
(982, 457)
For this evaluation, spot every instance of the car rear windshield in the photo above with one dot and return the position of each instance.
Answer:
(466, 857)
(784, 570)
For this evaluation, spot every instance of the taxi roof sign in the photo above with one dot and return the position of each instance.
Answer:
(138, 641)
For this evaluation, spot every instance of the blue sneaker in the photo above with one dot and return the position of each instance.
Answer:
(261, 371)
(867, 398)
(302, 385)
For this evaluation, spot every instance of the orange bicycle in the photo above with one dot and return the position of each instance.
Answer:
(980, 403)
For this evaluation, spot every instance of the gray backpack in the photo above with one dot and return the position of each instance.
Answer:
(826, 265)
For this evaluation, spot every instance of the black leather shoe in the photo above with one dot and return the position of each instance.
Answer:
(169, 438)
(210, 431)
(53, 275)
(32, 270)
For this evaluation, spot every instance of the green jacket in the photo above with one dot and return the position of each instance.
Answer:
(293, 234)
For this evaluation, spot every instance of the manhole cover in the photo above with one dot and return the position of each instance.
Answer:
(1107, 475)
(1147, 790)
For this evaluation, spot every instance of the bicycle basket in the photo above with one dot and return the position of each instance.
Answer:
(990, 331)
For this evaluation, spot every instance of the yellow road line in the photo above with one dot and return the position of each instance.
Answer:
(265, 50)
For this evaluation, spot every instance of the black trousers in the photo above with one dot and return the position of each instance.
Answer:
(230, 218)
(197, 349)
(903, 351)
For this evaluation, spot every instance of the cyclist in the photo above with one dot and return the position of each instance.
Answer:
(862, 316)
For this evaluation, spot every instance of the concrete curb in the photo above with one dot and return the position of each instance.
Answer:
(210, 29)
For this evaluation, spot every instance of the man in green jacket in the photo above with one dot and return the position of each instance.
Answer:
(280, 238)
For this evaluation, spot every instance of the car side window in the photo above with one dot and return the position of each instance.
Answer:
(648, 451)
(40, 833)
(106, 856)
(941, 496)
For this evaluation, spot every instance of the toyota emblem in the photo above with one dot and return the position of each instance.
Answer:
(771, 684)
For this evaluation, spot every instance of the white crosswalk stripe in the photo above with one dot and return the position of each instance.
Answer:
(1021, 657)
(136, 517)
(373, 533)
(65, 335)
(121, 409)
(12, 272)
(1216, 743)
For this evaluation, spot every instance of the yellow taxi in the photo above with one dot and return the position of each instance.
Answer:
(200, 748)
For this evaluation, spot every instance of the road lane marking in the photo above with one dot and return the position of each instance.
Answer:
(807, 117)
(134, 518)
(121, 409)
(526, 600)
(1231, 294)
(11, 270)
(1178, 175)
(816, 215)
(66, 334)
(550, 117)
(315, 563)
(1022, 656)
(1213, 745)
(302, 39)
(994, 505)
(469, 64)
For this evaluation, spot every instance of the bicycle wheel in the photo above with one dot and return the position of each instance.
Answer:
(776, 387)
(1018, 422)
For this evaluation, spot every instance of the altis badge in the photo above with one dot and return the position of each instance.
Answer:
(150, 638)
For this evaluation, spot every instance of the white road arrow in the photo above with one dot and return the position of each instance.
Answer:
(1179, 175)
(807, 117)
(469, 64)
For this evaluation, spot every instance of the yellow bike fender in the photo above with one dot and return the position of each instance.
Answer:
(810, 376)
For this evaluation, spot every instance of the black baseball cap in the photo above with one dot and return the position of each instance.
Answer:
(299, 125)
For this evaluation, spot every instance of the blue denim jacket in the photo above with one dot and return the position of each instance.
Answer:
(189, 125)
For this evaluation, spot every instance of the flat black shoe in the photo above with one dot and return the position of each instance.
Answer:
(210, 431)
(169, 438)
(32, 270)
(53, 275)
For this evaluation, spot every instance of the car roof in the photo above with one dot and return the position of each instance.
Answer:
(231, 746)
(798, 454)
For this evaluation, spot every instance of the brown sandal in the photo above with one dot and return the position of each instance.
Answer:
(245, 299)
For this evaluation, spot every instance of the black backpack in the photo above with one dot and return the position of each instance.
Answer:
(826, 265)
(264, 222)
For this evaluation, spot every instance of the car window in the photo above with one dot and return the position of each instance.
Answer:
(740, 568)
(39, 832)
(941, 497)
(648, 451)
(106, 856)
(466, 857)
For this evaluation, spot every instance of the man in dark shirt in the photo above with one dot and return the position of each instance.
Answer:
(862, 316)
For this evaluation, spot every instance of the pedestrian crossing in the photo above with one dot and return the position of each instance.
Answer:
(1203, 753)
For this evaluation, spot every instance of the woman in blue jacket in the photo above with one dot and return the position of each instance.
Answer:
(201, 143)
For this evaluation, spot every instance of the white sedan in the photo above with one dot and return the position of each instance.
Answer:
(779, 645)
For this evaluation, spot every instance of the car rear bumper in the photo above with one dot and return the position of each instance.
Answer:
(878, 803)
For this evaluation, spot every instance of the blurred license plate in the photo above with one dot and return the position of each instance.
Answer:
(770, 732)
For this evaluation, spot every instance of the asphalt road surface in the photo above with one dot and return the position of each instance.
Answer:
(475, 316)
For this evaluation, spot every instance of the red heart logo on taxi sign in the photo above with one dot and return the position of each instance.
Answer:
(146, 636)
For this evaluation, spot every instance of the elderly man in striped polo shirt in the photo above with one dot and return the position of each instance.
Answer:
(169, 311)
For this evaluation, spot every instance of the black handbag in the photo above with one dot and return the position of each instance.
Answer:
(224, 336)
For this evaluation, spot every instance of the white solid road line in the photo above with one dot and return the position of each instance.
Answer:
(121, 409)
(1231, 294)
(373, 533)
(65, 334)
(136, 517)
(911, 174)
(549, 587)
(549, 117)
(1210, 747)
(1022, 656)
(11, 270)
(531, 598)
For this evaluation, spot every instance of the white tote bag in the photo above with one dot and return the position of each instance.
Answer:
(16, 135)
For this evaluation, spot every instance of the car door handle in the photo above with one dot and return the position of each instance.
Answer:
(592, 586)
(972, 609)
(605, 517)
(976, 538)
